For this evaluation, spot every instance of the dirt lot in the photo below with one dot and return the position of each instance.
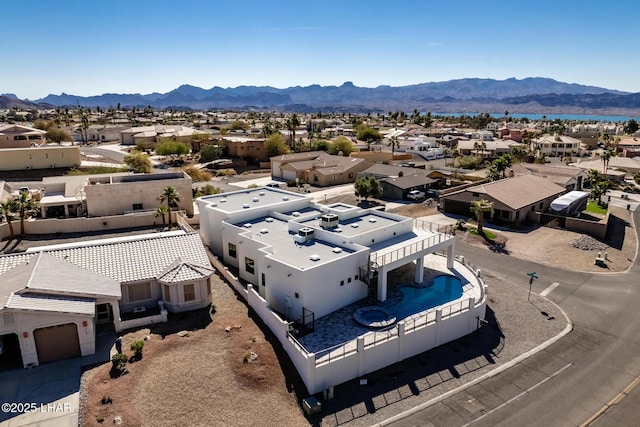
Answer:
(201, 379)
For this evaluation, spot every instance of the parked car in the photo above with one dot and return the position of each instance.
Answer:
(415, 195)
(273, 185)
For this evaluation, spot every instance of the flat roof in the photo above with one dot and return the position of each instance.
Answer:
(351, 227)
(251, 198)
(275, 233)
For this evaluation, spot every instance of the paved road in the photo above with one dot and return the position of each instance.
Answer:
(575, 379)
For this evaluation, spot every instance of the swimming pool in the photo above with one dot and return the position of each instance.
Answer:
(444, 289)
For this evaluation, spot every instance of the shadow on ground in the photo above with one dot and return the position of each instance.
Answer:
(616, 231)
(414, 376)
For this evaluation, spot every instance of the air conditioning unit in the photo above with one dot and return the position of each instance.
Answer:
(329, 220)
(305, 234)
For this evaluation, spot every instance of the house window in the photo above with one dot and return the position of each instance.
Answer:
(540, 205)
(232, 250)
(355, 277)
(137, 206)
(139, 291)
(167, 293)
(349, 280)
(517, 214)
(297, 295)
(249, 265)
(189, 292)
(208, 287)
(263, 279)
(341, 282)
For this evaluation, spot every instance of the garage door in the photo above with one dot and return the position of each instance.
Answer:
(57, 342)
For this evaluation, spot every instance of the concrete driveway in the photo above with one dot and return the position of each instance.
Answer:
(47, 395)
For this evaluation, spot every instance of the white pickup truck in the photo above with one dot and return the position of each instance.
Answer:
(416, 195)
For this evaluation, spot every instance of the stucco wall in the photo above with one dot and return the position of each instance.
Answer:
(27, 322)
(118, 198)
(39, 158)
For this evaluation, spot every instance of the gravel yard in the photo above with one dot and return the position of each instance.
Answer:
(201, 379)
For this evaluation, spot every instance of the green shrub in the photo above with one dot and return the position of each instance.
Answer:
(119, 359)
(136, 347)
(166, 148)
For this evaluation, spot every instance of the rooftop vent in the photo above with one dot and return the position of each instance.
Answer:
(213, 204)
(336, 250)
(296, 213)
(314, 257)
(261, 193)
(354, 226)
(247, 225)
(269, 219)
(285, 198)
(245, 206)
(372, 220)
(255, 199)
(223, 200)
(264, 230)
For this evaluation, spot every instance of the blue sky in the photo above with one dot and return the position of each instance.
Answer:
(93, 47)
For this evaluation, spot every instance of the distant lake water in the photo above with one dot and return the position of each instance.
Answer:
(575, 117)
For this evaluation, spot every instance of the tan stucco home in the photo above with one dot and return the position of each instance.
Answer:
(18, 136)
(513, 198)
(53, 299)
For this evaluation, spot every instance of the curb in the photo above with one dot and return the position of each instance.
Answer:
(486, 376)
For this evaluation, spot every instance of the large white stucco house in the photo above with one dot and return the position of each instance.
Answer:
(53, 298)
(301, 262)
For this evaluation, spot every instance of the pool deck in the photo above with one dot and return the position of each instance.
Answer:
(340, 328)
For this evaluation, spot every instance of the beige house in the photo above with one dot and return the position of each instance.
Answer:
(150, 134)
(44, 157)
(559, 146)
(514, 199)
(17, 136)
(318, 168)
(487, 148)
(246, 148)
(112, 194)
(54, 300)
(569, 177)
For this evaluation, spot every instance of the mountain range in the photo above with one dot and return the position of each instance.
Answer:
(533, 95)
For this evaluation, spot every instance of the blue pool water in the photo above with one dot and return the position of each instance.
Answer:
(444, 289)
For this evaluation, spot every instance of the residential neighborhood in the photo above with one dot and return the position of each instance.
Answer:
(310, 226)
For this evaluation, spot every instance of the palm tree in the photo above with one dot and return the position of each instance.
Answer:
(605, 156)
(593, 176)
(558, 140)
(8, 212)
(599, 189)
(479, 208)
(393, 142)
(171, 196)
(162, 212)
(292, 124)
(25, 206)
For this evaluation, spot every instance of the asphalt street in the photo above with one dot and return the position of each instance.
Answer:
(587, 378)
